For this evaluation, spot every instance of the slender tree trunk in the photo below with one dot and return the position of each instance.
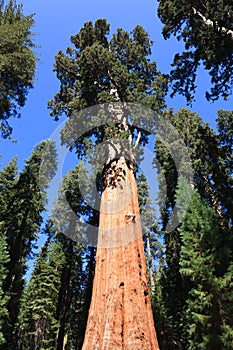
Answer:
(151, 272)
(64, 298)
(120, 315)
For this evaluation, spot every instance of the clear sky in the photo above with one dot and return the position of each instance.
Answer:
(55, 22)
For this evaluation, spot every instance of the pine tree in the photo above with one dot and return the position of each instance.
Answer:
(211, 177)
(77, 273)
(4, 259)
(23, 201)
(225, 301)
(38, 322)
(65, 309)
(17, 62)
(204, 262)
(8, 181)
(209, 163)
(225, 145)
(98, 70)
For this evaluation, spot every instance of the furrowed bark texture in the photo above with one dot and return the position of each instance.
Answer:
(120, 315)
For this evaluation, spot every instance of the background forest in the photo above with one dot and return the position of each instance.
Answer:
(190, 266)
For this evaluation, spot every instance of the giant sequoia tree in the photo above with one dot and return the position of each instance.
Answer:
(207, 31)
(17, 62)
(116, 71)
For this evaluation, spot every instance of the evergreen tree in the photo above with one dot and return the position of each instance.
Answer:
(17, 62)
(8, 181)
(23, 201)
(78, 270)
(152, 240)
(55, 304)
(207, 31)
(225, 302)
(210, 161)
(204, 263)
(170, 294)
(98, 70)
(38, 322)
(4, 259)
(225, 145)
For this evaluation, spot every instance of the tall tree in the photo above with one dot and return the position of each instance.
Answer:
(38, 321)
(207, 31)
(210, 158)
(98, 70)
(78, 269)
(8, 182)
(204, 263)
(152, 239)
(4, 259)
(225, 145)
(23, 199)
(17, 62)
(55, 303)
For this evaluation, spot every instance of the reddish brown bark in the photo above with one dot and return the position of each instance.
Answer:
(120, 315)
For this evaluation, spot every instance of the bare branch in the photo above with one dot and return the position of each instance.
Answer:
(211, 23)
(138, 139)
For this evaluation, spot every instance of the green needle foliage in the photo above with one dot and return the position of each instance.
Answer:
(17, 62)
(96, 64)
(211, 160)
(152, 240)
(23, 201)
(4, 259)
(98, 70)
(205, 263)
(38, 319)
(207, 31)
(55, 303)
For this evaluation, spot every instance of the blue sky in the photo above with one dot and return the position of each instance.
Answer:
(55, 22)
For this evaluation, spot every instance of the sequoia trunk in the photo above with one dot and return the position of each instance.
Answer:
(120, 315)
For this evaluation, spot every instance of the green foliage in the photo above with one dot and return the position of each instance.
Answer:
(226, 303)
(37, 320)
(77, 220)
(225, 143)
(187, 306)
(208, 160)
(203, 262)
(98, 70)
(23, 202)
(207, 31)
(152, 240)
(55, 303)
(4, 259)
(96, 65)
(17, 62)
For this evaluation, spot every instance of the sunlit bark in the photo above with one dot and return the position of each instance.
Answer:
(120, 315)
